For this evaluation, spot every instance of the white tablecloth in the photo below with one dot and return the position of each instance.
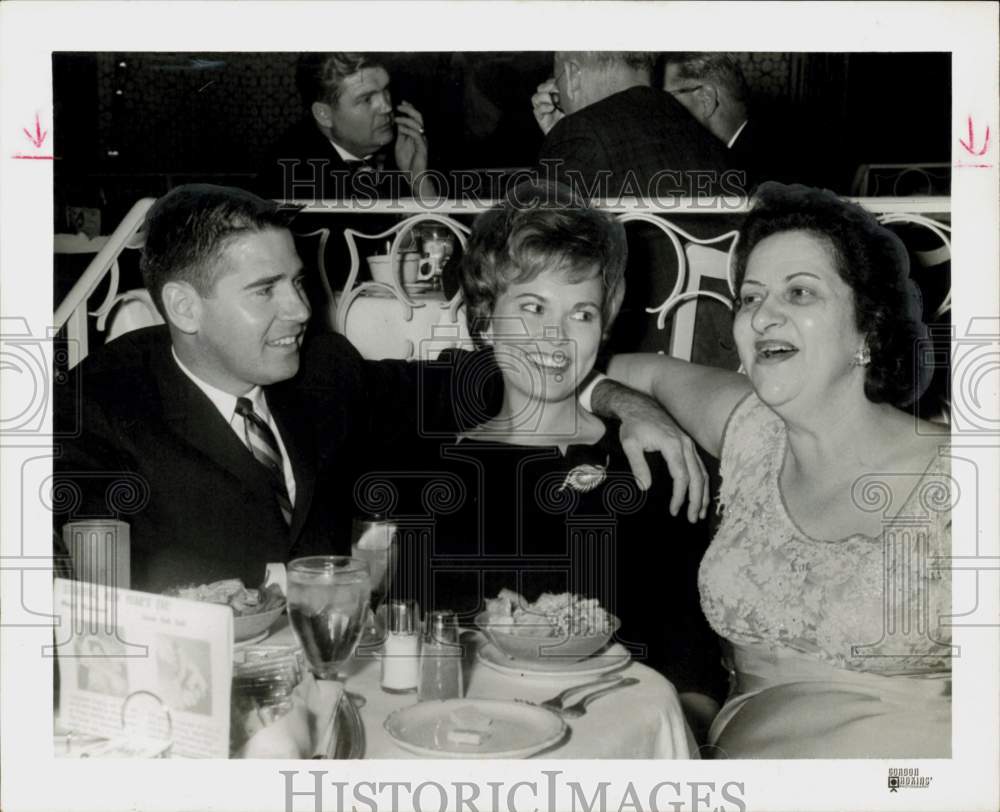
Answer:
(641, 721)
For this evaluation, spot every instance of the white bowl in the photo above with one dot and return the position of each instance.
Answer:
(247, 626)
(531, 648)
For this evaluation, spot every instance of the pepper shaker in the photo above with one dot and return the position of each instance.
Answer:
(440, 658)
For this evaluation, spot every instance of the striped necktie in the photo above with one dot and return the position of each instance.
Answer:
(264, 446)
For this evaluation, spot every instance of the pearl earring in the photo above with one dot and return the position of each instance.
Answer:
(863, 357)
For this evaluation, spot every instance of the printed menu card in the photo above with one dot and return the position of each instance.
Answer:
(141, 667)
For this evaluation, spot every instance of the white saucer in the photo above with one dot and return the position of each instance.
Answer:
(615, 656)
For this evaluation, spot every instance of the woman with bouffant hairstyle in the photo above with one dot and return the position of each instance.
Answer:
(834, 617)
(547, 502)
(873, 262)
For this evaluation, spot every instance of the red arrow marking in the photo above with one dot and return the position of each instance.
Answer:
(971, 146)
(38, 138)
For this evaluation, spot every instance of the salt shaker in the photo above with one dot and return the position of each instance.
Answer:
(440, 658)
(401, 650)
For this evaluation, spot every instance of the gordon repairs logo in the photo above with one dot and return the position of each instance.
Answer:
(907, 778)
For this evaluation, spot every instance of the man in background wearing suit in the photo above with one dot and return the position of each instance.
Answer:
(714, 90)
(238, 437)
(340, 148)
(610, 133)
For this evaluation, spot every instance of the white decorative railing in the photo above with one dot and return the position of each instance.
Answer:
(874, 179)
(72, 312)
(696, 259)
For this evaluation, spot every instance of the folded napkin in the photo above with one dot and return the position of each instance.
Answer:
(308, 728)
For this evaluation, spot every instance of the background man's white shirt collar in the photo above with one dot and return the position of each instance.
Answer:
(345, 155)
(736, 135)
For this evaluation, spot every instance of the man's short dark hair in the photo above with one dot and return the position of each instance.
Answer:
(721, 68)
(187, 229)
(541, 226)
(319, 76)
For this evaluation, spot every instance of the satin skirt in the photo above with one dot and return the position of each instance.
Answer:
(790, 705)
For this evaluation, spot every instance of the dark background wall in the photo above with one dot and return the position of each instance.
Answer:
(129, 124)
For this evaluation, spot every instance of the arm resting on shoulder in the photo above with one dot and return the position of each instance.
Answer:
(699, 398)
(645, 426)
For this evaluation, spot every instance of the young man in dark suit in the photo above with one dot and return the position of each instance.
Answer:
(609, 133)
(235, 435)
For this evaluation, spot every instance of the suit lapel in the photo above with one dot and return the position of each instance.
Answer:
(195, 420)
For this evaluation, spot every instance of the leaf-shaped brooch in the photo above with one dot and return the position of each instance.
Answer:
(585, 477)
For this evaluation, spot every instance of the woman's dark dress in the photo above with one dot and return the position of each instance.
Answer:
(477, 516)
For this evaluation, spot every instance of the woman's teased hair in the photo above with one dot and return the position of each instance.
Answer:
(541, 227)
(873, 263)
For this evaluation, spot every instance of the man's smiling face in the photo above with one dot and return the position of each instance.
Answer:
(250, 326)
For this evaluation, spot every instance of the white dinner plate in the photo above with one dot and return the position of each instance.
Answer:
(515, 730)
(614, 656)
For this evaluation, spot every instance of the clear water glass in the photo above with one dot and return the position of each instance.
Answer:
(328, 608)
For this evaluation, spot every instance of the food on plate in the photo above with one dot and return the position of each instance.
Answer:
(232, 593)
(563, 615)
(466, 725)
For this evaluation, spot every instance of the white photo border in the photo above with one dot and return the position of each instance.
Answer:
(31, 32)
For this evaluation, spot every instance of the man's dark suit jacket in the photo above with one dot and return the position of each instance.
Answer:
(767, 153)
(152, 450)
(320, 173)
(638, 142)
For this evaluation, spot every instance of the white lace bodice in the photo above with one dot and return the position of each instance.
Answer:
(765, 581)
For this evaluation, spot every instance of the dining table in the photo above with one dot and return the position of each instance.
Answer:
(641, 721)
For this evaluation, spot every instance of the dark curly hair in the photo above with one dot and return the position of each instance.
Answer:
(871, 261)
(540, 227)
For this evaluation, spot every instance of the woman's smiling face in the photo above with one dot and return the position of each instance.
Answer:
(795, 328)
(546, 334)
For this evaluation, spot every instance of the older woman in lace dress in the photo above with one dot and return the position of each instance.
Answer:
(823, 575)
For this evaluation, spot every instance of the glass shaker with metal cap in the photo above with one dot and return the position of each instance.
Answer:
(401, 650)
(440, 658)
